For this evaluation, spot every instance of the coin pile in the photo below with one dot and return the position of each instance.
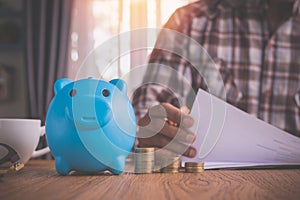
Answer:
(170, 165)
(143, 160)
(194, 167)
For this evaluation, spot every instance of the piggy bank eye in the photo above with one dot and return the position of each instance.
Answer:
(73, 93)
(105, 92)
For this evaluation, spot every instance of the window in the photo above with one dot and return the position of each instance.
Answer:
(97, 21)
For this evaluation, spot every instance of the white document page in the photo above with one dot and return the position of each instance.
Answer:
(229, 137)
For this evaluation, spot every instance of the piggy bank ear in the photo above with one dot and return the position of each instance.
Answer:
(120, 84)
(60, 84)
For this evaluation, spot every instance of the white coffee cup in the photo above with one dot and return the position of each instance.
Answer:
(21, 137)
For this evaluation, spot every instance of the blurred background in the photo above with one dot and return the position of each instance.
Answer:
(42, 40)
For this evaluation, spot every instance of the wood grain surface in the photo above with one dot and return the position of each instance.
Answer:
(39, 180)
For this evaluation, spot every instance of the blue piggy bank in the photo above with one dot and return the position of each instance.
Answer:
(90, 125)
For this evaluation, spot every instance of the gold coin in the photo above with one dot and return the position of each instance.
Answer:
(194, 169)
(170, 165)
(169, 170)
(194, 164)
(143, 171)
(144, 150)
(144, 160)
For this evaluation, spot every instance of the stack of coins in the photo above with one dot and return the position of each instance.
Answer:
(170, 165)
(194, 167)
(144, 160)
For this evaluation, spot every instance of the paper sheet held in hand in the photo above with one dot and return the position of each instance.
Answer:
(228, 137)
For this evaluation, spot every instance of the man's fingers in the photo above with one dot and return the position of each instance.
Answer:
(166, 126)
(160, 126)
(166, 110)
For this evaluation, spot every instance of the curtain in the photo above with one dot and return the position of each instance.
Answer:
(47, 37)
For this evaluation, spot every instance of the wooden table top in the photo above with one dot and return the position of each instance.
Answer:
(39, 180)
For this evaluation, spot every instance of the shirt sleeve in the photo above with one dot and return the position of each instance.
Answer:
(169, 76)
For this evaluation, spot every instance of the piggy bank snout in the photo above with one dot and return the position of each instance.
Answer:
(104, 113)
(96, 115)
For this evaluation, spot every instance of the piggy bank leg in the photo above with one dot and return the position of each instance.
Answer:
(118, 166)
(61, 166)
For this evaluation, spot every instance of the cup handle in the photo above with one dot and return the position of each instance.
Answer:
(40, 152)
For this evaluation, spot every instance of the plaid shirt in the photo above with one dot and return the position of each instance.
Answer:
(260, 69)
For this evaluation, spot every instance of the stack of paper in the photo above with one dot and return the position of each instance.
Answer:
(229, 137)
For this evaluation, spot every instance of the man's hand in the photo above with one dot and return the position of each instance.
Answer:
(166, 126)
